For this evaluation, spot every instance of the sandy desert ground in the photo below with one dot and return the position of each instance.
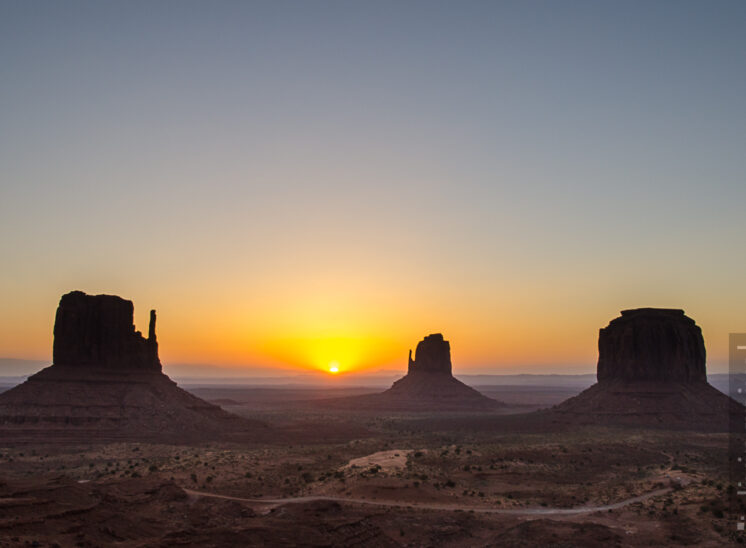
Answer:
(360, 479)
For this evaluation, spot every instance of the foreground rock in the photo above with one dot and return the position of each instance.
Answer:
(651, 372)
(428, 386)
(106, 384)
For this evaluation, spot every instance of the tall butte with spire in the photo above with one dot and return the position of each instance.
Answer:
(97, 331)
(106, 382)
(428, 386)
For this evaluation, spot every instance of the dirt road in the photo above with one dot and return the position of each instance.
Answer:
(543, 511)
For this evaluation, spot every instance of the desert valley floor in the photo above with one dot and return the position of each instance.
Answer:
(331, 477)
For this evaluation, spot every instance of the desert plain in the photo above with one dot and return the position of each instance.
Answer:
(328, 477)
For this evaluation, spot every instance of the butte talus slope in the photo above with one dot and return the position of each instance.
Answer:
(651, 372)
(106, 383)
(428, 386)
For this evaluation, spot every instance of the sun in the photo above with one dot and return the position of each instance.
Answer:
(333, 367)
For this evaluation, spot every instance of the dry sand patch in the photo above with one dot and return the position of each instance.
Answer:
(389, 461)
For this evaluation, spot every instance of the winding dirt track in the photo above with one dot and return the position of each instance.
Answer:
(444, 507)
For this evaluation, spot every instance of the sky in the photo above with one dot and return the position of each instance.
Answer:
(291, 184)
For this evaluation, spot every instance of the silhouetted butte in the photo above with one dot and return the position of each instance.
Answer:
(98, 331)
(651, 372)
(106, 383)
(428, 386)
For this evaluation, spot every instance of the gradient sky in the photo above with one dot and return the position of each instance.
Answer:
(295, 183)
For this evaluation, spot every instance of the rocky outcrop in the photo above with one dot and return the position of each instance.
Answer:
(106, 384)
(433, 355)
(429, 386)
(651, 344)
(651, 373)
(98, 331)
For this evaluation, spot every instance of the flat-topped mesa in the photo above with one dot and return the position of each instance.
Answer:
(98, 331)
(433, 355)
(651, 344)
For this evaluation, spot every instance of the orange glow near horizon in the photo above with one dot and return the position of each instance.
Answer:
(351, 330)
(332, 354)
(317, 200)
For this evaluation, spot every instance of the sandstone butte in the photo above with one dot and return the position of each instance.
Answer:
(106, 383)
(651, 372)
(428, 386)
